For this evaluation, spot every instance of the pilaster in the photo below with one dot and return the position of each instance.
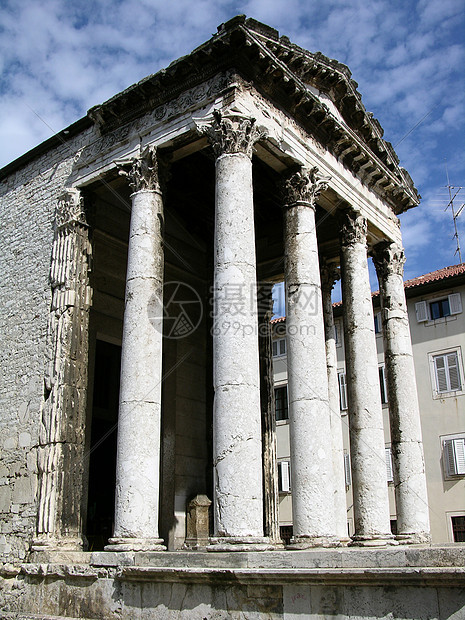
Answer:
(63, 410)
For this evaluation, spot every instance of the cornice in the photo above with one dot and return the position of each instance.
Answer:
(282, 72)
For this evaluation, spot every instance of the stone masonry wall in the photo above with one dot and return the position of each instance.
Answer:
(28, 202)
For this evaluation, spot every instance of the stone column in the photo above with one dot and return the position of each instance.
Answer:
(309, 415)
(138, 447)
(237, 446)
(370, 489)
(270, 463)
(329, 275)
(63, 411)
(404, 413)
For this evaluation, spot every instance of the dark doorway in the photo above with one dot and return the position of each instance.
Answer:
(102, 462)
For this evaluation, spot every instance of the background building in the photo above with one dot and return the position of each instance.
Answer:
(437, 325)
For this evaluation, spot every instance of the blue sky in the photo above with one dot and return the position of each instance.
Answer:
(59, 58)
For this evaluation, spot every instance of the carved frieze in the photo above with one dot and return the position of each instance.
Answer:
(232, 133)
(188, 100)
(353, 228)
(303, 185)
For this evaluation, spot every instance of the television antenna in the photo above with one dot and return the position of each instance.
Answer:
(453, 193)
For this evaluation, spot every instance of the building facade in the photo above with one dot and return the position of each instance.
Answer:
(140, 246)
(437, 328)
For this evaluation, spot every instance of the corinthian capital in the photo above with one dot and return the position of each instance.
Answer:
(329, 273)
(142, 171)
(389, 259)
(70, 209)
(303, 185)
(354, 228)
(232, 133)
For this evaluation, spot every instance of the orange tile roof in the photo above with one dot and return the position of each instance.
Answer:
(434, 276)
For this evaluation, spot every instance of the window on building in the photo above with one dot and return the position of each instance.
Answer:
(285, 531)
(280, 403)
(378, 324)
(446, 369)
(382, 385)
(458, 528)
(347, 472)
(438, 308)
(338, 332)
(279, 347)
(284, 477)
(389, 472)
(341, 377)
(454, 456)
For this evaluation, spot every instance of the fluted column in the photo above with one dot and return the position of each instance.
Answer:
(404, 413)
(63, 409)
(309, 414)
(237, 445)
(370, 490)
(138, 448)
(329, 275)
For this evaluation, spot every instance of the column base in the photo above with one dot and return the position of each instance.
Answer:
(49, 543)
(239, 543)
(300, 543)
(414, 538)
(135, 544)
(381, 540)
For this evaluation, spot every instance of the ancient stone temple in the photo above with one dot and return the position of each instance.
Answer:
(140, 245)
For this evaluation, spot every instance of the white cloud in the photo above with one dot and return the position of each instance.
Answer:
(59, 58)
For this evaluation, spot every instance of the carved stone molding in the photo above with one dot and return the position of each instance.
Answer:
(353, 228)
(389, 258)
(70, 209)
(329, 273)
(233, 133)
(142, 171)
(303, 185)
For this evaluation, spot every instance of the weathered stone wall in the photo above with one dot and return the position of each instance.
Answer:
(28, 203)
(391, 584)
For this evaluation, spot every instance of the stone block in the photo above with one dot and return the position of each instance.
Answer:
(112, 558)
(23, 490)
(5, 498)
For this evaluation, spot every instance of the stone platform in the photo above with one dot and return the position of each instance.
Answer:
(395, 583)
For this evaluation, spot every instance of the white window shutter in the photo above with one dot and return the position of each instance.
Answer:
(440, 370)
(421, 311)
(453, 370)
(449, 459)
(347, 472)
(284, 479)
(388, 456)
(342, 390)
(455, 303)
(459, 449)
